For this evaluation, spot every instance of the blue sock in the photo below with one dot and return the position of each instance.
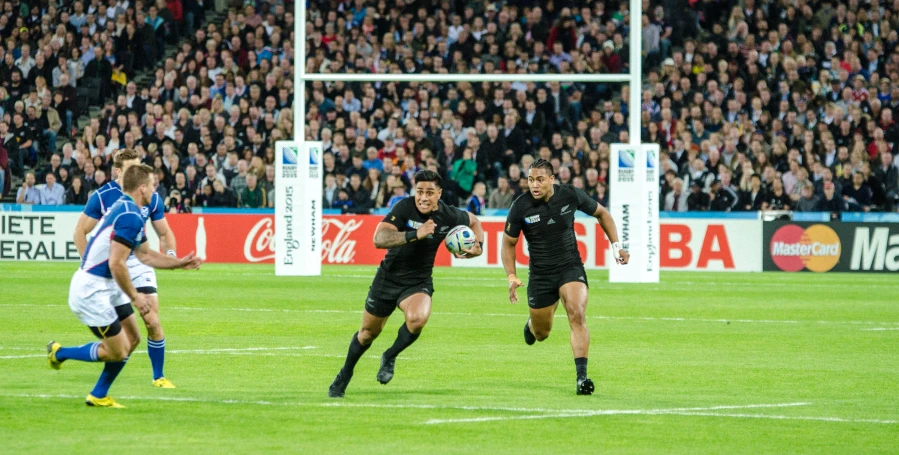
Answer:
(110, 371)
(156, 351)
(86, 353)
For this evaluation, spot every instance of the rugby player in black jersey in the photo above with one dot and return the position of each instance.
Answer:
(546, 216)
(412, 232)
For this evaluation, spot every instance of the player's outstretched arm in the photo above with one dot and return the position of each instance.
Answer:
(388, 236)
(166, 237)
(508, 255)
(85, 224)
(608, 225)
(158, 260)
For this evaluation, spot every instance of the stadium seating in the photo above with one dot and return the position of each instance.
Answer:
(728, 92)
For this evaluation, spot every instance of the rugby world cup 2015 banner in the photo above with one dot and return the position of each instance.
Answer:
(835, 247)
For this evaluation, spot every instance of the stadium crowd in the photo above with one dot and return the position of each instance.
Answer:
(758, 104)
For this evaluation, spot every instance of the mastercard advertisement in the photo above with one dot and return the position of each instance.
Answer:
(830, 247)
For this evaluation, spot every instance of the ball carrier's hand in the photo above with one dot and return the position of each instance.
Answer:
(469, 253)
(514, 284)
(426, 229)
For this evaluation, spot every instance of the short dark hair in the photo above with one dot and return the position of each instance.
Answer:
(540, 163)
(136, 176)
(123, 155)
(426, 175)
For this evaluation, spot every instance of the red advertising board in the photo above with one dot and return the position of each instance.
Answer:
(686, 244)
(251, 239)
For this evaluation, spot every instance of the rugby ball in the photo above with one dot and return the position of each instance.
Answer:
(460, 237)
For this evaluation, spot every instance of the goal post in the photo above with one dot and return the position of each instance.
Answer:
(633, 78)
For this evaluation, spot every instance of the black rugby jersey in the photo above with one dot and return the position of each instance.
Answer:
(414, 262)
(549, 227)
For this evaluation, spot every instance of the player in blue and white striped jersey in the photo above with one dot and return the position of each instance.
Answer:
(143, 277)
(103, 283)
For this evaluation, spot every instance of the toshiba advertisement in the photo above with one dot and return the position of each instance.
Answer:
(837, 247)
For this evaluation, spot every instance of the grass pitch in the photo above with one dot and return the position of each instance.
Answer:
(701, 363)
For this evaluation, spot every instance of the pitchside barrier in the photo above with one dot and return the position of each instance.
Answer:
(738, 242)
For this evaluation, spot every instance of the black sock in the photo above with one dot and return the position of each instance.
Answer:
(581, 364)
(404, 338)
(354, 354)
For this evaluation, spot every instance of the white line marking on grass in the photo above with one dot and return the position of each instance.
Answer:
(515, 315)
(782, 417)
(883, 328)
(560, 315)
(590, 413)
(548, 413)
(565, 412)
(228, 351)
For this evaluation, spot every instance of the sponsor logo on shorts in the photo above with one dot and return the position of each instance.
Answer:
(816, 248)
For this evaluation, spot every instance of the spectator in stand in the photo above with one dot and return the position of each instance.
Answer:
(809, 201)
(398, 193)
(63, 178)
(252, 196)
(476, 203)
(175, 203)
(52, 168)
(27, 193)
(463, 173)
(343, 202)
(502, 196)
(676, 200)
(777, 198)
(358, 195)
(887, 176)
(698, 200)
(239, 181)
(211, 176)
(754, 198)
(830, 202)
(77, 193)
(5, 173)
(53, 193)
(858, 195)
(329, 193)
(221, 195)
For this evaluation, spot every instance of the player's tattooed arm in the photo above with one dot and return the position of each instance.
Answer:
(388, 236)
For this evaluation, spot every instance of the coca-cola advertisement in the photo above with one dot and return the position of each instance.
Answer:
(251, 239)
